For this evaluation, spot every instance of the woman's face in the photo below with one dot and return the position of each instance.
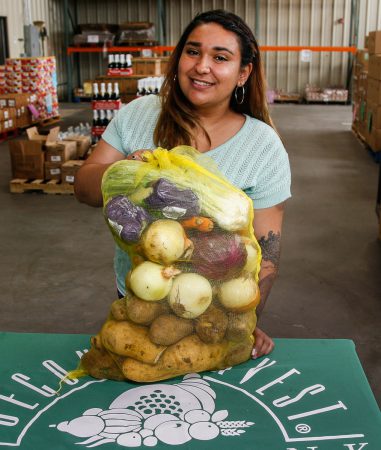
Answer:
(210, 66)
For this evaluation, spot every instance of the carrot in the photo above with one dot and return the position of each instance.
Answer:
(199, 223)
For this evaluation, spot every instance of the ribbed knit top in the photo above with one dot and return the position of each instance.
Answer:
(254, 159)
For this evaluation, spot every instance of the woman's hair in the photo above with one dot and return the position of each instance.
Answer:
(178, 117)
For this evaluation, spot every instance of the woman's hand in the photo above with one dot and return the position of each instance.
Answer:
(263, 344)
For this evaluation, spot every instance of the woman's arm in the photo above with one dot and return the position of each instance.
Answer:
(87, 185)
(267, 229)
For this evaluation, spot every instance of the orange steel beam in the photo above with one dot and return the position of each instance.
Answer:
(160, 49)
(299, 48)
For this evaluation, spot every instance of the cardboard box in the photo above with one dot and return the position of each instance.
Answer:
(374, 42)
(362, 58)
(374, 70)
(373, 116)
(52, 171)
(374, 139)
(27, 159)
(374, 91)
(69, 169)
(83, 144)
(60, 151)
(33, 135)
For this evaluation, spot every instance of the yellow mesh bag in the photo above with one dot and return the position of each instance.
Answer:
(193, 288)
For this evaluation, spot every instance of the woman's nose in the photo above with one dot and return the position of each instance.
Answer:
(203, 66)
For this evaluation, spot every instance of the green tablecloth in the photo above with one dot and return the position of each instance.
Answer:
(306, 395)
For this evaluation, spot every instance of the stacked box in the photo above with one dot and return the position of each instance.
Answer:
(359, 90)
(22, 104)
(2, 79)
(41, 156)
(69, 170)
(373, 96)
(150, 66)
(7, 119)
(34, 76)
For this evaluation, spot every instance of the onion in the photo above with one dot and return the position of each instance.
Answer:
(252, 256)
(218, 255)
(239, 294)
(164, 241)
(150, 281)
(190, 296)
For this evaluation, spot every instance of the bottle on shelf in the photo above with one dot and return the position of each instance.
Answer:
(109, 115)
(103, 91)
(95, 117)
(115, 93)
(117, 61)
(102, 118)
(123, 63)
(111, 64)
(129, 60)
(108, 95)
(99, 119)
(95, 91)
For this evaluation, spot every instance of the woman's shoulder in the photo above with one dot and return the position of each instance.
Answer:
(146, 103)
(266, 131)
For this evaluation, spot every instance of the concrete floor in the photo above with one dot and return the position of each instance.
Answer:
(56, 271)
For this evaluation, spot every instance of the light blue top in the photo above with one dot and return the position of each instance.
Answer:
(254, 159)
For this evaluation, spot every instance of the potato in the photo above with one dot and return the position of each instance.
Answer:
(241, 325)
(187, 356)
(240, 352)
(168, 329)
(127, 339)
(211, 326)
(142, 312)
(118, 309)
(99, 364)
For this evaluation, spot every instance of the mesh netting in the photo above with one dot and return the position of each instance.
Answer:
(193, 288)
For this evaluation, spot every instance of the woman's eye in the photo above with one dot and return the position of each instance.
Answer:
(192, 52)
(220, 58)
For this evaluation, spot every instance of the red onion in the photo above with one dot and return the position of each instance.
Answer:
(218, 255)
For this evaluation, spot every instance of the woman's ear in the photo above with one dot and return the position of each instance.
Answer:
(245, 73)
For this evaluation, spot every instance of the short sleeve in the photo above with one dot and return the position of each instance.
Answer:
(273, 184)
(113, 135)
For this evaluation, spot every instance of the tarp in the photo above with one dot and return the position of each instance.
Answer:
(306, 395)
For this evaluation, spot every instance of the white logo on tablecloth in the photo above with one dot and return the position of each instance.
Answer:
(146, 415)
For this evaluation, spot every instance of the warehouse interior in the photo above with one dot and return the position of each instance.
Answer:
(57, 254)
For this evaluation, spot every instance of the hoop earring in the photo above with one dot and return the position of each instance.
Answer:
(240, 101)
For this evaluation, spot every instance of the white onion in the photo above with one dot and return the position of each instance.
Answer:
(164, 241)
(239, 294)
(190, 296)
(251, 260)
(150, 281)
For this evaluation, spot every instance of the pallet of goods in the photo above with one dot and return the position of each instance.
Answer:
(314, 94)
(35, 77)
(372, 128)
(279, 96)
(46, 163)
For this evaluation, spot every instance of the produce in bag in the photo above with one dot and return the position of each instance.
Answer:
(193, 290)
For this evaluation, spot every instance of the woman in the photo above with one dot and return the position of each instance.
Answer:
(213, 98)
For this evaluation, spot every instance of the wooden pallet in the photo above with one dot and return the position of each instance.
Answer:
(42, 122)
(20, 186)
